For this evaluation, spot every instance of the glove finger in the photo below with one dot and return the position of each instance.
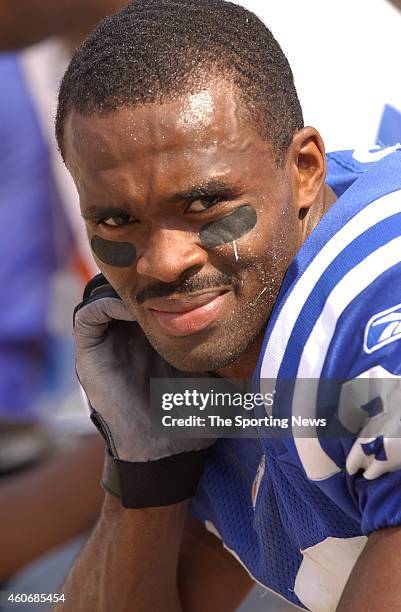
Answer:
(97, 282)
(93, 318)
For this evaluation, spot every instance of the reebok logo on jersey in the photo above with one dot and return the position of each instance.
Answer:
(382, 329)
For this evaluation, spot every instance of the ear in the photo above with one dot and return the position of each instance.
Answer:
(306, 165)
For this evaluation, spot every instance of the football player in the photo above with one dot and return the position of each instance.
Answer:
(229, 247)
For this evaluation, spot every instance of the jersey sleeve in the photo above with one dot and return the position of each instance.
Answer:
(365, 355)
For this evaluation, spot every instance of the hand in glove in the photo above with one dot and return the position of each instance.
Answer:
(114, 363)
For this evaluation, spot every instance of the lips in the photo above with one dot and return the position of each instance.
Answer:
(189, 314)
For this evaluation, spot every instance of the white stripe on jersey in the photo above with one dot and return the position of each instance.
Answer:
(317, 464)
(372, 214)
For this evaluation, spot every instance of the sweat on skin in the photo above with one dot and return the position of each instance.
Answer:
(230, 228)
(195, 190)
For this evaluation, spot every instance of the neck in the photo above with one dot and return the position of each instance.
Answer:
(327, 199)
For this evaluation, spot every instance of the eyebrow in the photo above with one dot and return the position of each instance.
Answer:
(204, 190)
(103, 212)
(207, 190)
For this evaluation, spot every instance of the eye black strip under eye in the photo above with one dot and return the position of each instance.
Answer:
(229, 228)
(117, 254)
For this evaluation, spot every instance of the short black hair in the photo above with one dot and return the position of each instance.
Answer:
(158, 50)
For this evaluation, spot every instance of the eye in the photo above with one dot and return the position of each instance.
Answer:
(201, 204)
(118, 221)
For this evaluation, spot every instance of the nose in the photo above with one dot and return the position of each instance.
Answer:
(168, 254)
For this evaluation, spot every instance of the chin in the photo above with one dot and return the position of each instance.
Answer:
(185, 362)
(206, 352)
(199, 360)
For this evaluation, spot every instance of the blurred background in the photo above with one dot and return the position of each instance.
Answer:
(344, 55)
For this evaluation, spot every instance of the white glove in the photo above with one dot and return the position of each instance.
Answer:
(115, 363)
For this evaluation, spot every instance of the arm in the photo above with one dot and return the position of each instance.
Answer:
(134, 556)
(39, 510)
(375, 581)
(26, 22)
(209, 577)
(130, 557)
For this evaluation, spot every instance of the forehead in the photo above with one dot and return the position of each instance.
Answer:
(203, 130)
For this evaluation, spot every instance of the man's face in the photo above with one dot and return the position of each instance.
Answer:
(189, 219)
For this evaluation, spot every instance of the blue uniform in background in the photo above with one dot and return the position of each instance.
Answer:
(296, 511)
(35, 242)
(27, 250)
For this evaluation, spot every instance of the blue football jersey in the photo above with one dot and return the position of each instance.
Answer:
(296, 511)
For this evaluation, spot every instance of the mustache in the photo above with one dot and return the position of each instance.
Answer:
(184, 286)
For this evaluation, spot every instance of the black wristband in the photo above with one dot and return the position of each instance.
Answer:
(149, 484)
